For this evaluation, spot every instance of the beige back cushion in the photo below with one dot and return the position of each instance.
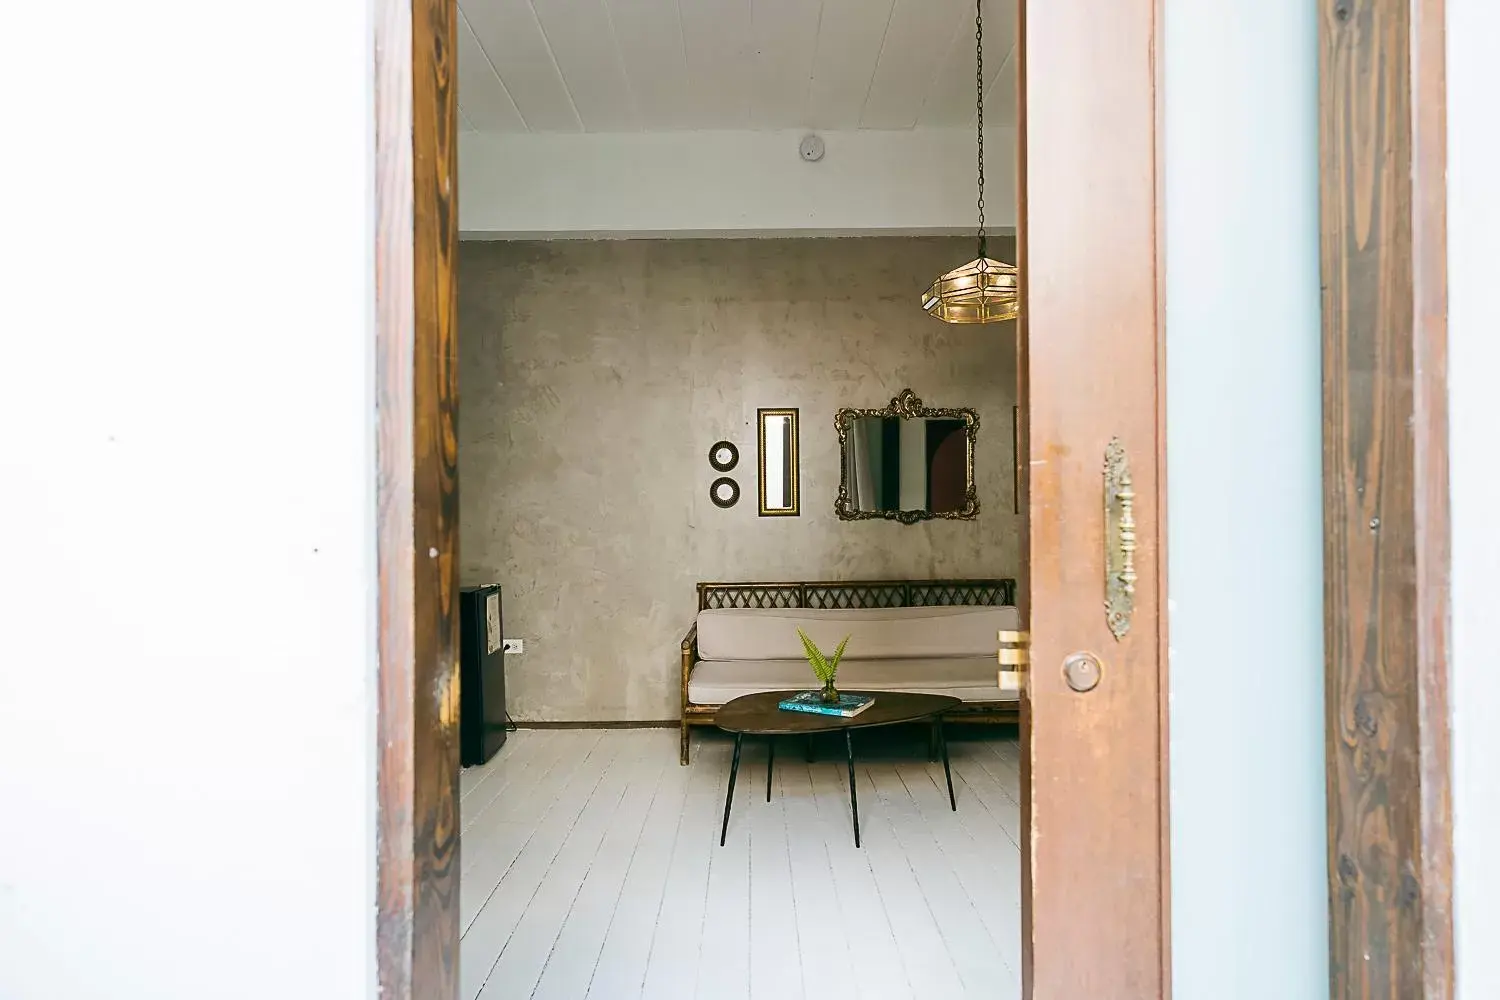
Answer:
(876, 633)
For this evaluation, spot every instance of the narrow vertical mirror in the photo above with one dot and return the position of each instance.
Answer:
(779, 495)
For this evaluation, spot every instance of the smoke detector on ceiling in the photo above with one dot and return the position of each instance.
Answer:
(811, 148)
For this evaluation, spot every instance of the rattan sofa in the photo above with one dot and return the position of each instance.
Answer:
(970, 676)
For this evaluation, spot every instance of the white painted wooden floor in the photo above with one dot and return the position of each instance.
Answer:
(592, 868)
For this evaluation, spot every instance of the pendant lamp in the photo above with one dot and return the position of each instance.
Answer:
(984, 290)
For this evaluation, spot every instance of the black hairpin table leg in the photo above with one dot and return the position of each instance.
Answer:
(770, 763)
(947, 771)
(734, 769)
(853, 795)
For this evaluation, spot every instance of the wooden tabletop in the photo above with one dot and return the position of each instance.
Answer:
(757, 714)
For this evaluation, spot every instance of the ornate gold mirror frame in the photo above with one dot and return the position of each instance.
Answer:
(906, 405)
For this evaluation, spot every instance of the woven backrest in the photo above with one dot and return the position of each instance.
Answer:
(857, 594)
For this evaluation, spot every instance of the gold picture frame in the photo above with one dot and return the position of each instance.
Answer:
(779, 461)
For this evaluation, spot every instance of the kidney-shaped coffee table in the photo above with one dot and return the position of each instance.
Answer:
(757, 715)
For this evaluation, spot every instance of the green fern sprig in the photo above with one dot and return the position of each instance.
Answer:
(824, 667)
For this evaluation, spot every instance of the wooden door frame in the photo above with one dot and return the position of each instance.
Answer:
(416, 216)
(1093, 278)
(416, 387)
(1391, 898)
(1391, 905)
(1387, 566)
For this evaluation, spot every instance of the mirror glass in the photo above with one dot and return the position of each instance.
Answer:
(778, 463)
(906, 462)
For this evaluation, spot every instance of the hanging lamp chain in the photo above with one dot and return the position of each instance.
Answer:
(979, 112)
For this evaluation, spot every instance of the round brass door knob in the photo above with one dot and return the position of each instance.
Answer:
(1083, 671)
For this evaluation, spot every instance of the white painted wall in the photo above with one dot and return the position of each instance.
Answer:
(740, 183)
(186, 741)
(1249, 917)
(1474, 368)
(185, 631)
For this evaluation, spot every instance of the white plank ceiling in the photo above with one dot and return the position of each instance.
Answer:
(662, 65)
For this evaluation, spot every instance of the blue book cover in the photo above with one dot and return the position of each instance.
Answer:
(847, 706)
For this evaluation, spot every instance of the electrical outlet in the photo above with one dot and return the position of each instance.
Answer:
(513, 645)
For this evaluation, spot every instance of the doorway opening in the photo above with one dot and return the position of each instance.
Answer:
(599, 378)
(596, 377)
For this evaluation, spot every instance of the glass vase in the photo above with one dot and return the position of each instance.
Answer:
(830, 693)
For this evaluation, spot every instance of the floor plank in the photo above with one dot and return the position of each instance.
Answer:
(929, 965)
(523, 754)
(992, 795)
(822, 927)
(592, 868)
(724, 956)
(879, 970)
(522, 858)
(988, 874)
(621, 967)
(575, 952)
(494, 843)
(974, 953)
(471, 778)
(776, 960)
(532, 945)
(672, 963)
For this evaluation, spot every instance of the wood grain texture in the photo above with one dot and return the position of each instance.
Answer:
(1096, 870)
(416, 388)
(1385, 512)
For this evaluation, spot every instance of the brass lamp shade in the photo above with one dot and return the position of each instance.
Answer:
(984, 290)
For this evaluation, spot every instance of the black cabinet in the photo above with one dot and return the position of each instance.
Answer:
(482, 720)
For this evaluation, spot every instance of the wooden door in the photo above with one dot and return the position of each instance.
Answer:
(1095, 920)
(416, 385)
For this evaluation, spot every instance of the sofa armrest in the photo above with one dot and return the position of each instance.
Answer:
(689, 657)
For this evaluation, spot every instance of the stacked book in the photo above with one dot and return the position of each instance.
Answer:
(848, 705)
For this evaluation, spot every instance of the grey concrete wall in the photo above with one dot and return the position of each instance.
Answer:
(594, 376)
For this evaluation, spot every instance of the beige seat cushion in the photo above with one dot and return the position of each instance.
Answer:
(876, 633)
(968, 678)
